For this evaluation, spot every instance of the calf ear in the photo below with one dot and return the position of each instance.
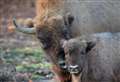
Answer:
(90, 45)
(68, 18)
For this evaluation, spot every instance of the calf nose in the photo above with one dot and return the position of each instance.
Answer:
(74, 69)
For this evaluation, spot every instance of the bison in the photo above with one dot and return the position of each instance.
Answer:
(49, 33)
(90, 17)
(94, 58)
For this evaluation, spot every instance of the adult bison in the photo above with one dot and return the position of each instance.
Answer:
(90, 17)
(94, 58)
(50, 34)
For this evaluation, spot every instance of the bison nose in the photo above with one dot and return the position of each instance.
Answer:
(74, 69)
(62, 64)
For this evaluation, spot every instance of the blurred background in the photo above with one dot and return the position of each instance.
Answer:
(21, 49)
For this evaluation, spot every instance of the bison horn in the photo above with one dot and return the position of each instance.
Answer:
(24, 29)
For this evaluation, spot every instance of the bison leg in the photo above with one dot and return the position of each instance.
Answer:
(61, 75)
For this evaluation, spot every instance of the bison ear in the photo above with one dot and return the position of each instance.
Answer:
(90, 45)
(68, 18)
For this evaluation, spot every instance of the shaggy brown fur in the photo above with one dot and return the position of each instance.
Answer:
(50, 33)
(47, 8)
(43, 6)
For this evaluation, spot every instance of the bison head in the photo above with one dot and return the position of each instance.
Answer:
(49, 32)
(76, 52)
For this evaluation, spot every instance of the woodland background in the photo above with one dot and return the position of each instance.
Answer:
(21, 49)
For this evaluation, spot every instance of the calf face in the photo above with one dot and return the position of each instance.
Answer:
(76, 52)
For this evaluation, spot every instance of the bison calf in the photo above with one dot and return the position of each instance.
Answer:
(96, 57)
